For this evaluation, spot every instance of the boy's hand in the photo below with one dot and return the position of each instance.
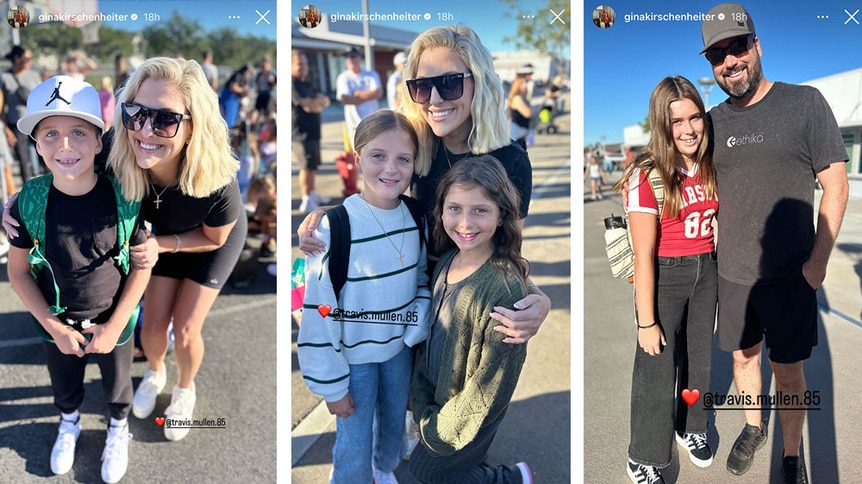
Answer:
(69, 341)
(342, 408)
(104, 338)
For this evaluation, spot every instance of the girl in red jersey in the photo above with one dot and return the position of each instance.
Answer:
(675, 280)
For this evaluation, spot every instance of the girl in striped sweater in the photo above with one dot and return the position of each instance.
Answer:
(354, 348)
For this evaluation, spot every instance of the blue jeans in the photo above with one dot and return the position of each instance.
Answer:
(380, 392)
(686, 293)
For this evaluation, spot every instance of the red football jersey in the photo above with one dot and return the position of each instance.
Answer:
(689, 233)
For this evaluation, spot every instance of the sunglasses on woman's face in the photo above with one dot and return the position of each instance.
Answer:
(164, 123)
(450, 87)
(736, 48)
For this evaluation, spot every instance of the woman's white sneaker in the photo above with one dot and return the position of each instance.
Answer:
(180, 413)
(145, 396)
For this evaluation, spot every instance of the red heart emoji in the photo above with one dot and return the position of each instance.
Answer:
(160, 421)
(690, 396)
(324, 310)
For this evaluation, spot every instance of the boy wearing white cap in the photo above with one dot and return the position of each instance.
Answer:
(81, 235)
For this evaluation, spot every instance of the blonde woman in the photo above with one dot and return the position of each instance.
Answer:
(171, 149)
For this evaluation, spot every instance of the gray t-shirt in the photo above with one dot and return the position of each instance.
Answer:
(16, 88)
(766, 158)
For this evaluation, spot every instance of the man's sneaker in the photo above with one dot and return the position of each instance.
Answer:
(793, 470)
(381, 477)
(307, 205)
(63, 453)
(698, 451)
(641, 474)
(115, 457)
(526, 473)
(742, 453)
(181, 408)
(145, 396)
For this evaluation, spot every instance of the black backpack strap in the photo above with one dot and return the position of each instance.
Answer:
(339, 247)
(418, 214)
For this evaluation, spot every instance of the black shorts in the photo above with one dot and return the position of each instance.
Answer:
(210, 269)
(307, 153)
(784, 312)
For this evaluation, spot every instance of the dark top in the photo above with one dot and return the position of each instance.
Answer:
(766, 158)
(519, 118)
(306, 126)
(179, 213)
(80, 243)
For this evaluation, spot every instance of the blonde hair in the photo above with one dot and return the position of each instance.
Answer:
(206, 163)
(493, 131)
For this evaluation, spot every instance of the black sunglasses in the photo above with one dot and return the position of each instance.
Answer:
(450, 87)
(739, 46)
(164, 123)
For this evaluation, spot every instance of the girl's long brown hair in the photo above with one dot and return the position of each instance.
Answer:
(660, 153)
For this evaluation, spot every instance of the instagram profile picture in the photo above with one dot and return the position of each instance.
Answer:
(18, 17)
(310, 16)
(604, 16)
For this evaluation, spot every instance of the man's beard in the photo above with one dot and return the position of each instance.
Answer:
(744, 89)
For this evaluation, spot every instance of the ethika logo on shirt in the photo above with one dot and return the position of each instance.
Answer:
(744, 140)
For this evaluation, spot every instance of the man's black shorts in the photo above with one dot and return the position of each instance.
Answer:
(307, 153)
(784, 312)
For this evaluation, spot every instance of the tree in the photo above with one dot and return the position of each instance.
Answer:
(536, 31)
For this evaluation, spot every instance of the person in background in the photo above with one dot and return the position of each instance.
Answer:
(107, 101)
(16, 83)
(210, 69)
(392, 92)
(307, 104)
(358, 89)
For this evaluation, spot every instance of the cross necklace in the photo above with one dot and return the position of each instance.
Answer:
(385, 234)
(158, 199)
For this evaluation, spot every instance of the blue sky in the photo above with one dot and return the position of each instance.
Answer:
(486, 17)
(623, 64)
(211, 14)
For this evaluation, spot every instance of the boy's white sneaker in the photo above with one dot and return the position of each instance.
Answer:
(181, 408)
(63, 453)
(115, 457)
(149, 388)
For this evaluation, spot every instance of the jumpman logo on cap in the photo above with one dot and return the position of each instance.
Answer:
(56, 95)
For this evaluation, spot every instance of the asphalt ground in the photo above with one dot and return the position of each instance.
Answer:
(237, 383)
(537, 426)
(831, 441)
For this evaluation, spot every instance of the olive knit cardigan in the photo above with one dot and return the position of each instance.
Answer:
(478, 373)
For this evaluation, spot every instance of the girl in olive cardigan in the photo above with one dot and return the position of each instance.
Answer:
(465, 375)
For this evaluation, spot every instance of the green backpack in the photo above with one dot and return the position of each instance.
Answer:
(32, 202)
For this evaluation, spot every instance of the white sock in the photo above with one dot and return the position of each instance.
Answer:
(70, 417)
(119, 423)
